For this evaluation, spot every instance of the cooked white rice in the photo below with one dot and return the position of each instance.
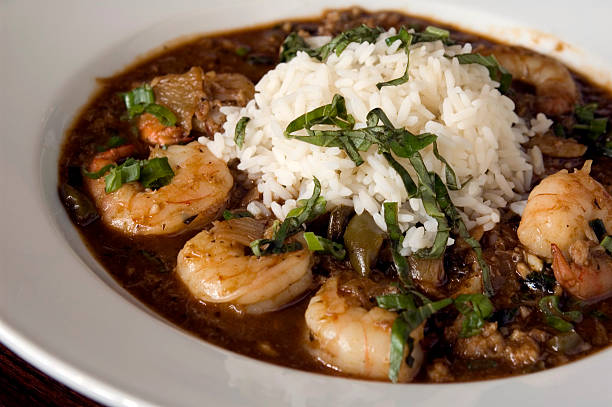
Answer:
(478, 133)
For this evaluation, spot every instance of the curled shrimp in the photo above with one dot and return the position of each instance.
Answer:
(559, 210)
(556, 91)
(196, 194)
(355, 340)
(214, 267)
(588, 275)
(555, 225)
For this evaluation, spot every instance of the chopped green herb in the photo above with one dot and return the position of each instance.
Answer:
(113, 141)
(360, 34)
(289, 227)
(406, 41)
(606, 243)
(475, 309)
(380, 131)
(321, 244)
(240, 131)
(396, 302)
(292, 44)
(142, 100)
(404, 324)
(242, 51)
(556, 318)
(154, 173)
(390, 210)
(497, 72)
(229, 215)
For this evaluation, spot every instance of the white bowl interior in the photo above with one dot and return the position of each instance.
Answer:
(60, 310)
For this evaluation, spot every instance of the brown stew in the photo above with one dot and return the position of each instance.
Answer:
(145, 265)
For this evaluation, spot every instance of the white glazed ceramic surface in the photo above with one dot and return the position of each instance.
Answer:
(59, 309)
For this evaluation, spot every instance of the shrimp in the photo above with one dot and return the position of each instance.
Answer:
(556, 91)
(195, 98)
(353, 340)
(559, 209)
(214, 267)
(196, 194)
(589, 274)
(555, 225)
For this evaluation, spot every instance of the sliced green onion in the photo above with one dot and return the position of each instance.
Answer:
(242, 51)
(556, 318)
(240, 131)
(163, 114)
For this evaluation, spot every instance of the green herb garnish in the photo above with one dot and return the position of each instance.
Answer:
(406, 322)
(606, 243)
(289, 227)
(497, 72)
(475, 309)
(242, 51)
(240, 131)
(390, 140)
(142, 100)
(229, 215)
(320, 244)
(113, 141)
(556, 318)
(153, 173)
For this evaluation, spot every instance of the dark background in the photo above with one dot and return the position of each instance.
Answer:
(22, 385)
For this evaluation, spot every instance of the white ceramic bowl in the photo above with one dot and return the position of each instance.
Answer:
(62, 312)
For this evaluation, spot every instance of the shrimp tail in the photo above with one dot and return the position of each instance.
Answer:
(110, 156)
(561, 268)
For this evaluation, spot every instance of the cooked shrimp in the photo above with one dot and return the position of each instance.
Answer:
(588, 275)
(195, 196)
(154, 132)
(195, 98)
(556, 91)
(352, 339)
(214, 267)
(559, 210)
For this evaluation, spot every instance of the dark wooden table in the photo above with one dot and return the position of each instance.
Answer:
(22, 385)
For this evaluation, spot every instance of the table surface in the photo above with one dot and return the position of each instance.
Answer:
(21, 384)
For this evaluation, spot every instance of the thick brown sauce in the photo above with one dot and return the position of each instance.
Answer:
(144, 266)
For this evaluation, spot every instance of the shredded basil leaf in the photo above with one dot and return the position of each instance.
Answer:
(240, 131)
(321, 244)
(381, 132)
(292, 45)
(406, 322)
(113, 141)
(390, 213)
(497, 72)
(396, 302)
(289, 227)
(475, 309)
(556, 318)
(360, 34)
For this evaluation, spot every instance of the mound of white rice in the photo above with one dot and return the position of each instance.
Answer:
(478, 133)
